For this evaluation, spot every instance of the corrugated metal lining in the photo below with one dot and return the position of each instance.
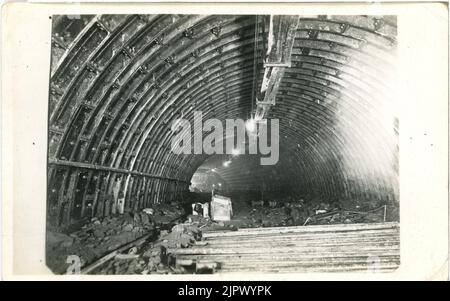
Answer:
(327, 248)
(122, 80)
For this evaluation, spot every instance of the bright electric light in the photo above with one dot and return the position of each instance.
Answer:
(220, 184)
(250, 125)
(235, 152)
(226, 163)
(213, 170)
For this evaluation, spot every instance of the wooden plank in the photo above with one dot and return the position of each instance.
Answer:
(88, 166)
(316, 235)
(287, 249)
(303, 244)
(301, 229)
(327, 248)
(286, 256)
(358, 226)
(310, 263)
(305, 235)
(324, 269)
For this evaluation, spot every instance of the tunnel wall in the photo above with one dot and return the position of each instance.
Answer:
(118, 81)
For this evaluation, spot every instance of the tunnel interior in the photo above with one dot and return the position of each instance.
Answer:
(118, 82)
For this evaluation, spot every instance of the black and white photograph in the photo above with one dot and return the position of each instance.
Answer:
(222, 143)
(227, 141)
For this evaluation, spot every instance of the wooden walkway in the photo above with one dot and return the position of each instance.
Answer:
(325, 248)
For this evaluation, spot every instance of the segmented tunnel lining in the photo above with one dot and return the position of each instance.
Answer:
(117, 83)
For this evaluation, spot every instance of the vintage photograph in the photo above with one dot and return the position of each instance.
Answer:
(193, 144)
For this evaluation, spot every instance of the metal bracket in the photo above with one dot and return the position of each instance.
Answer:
(288, 65)
(264, 102)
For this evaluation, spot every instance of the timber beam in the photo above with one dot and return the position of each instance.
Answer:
(281, 38)
(96, 167)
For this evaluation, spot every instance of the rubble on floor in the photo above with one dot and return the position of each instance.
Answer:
(141, 243)
(166, 213)
(101, 236)
(152, 257)
(155, 257)
(299, 212)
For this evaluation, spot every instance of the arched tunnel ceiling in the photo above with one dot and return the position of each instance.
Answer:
(118, 82)
(244, 173)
